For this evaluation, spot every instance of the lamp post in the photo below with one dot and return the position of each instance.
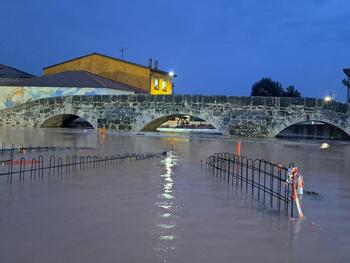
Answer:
(172, 75)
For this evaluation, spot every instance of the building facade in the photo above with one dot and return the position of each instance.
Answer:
(150, 79)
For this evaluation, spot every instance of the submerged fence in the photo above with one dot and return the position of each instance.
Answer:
(15, 149)
(262, 179)
(40, 166)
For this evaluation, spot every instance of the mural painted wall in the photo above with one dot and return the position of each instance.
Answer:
(11, 95)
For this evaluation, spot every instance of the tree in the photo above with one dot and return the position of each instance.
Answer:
(291, 91)
(267, 87)
(346, 83)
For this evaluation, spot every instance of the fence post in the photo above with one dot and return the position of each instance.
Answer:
(3, 146)
(272, 174)
(228, 168)
(10, 169)
(22, 168)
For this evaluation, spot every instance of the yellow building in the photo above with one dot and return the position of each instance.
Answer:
(150, 79)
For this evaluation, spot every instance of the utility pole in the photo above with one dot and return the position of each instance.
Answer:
(346, 83)
(122, 50)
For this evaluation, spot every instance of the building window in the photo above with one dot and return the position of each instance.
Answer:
(156, 84)
(164, 85)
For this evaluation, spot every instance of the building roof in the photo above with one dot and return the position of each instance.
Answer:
(114, 58)
(347, 72)
(10, 72)
(76, 79)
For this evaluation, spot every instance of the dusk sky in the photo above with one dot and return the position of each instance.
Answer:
(215, 47)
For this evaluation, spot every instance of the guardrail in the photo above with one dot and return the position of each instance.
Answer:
(264, 180)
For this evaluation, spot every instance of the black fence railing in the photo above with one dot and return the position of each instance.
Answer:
(20, 149)
(264, 180)
(51, 165)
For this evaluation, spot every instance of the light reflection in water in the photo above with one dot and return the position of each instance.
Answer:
(165, 215)
(166, 202)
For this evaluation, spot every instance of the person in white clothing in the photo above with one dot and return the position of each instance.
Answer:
(300, 187)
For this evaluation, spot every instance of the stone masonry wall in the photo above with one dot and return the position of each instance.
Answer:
(238, 116)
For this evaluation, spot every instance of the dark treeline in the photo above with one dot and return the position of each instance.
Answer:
(269, 88)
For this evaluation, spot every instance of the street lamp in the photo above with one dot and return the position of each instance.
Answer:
(172, 74)
(327, 98)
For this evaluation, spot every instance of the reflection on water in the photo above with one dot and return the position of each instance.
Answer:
(167, 215)
(324, 145)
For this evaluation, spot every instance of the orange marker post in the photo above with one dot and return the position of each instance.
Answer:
(102, 130)
(239, 148)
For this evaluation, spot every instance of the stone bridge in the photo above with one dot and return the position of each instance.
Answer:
(239, 116)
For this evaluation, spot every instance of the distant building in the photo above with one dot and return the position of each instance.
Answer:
(61, 84)
(148, 78)
(9, 75)
(347, 72)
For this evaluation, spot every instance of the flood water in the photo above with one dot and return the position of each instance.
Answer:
(167, 209)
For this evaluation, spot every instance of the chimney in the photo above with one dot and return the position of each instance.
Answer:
(150, 62)
(156, 64)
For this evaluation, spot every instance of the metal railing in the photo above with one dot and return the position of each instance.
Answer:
(40, 166)
(264, 180)
(20, 149)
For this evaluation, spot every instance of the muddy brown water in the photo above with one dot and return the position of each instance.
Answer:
(167, 209)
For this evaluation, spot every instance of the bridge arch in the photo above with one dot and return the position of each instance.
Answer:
(157, 122)
(66, 121)
(315, 128)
